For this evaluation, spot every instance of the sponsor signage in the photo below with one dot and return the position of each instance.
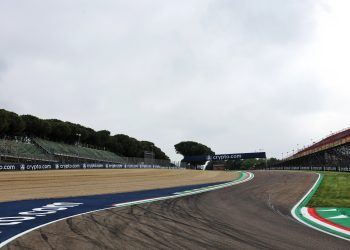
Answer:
(224, 157)
(241, 156)
(9, 167)
(345, 169)
(67, 166)
(58, 166)
(94, 165)
(23, 167)
(314, 168)
(114, 165)
(37, 166)
(36, 212)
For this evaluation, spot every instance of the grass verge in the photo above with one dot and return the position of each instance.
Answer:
(334, 191)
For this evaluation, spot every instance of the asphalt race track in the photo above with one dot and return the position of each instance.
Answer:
(252, 215)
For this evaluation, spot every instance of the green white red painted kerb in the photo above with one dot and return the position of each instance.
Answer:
(330, 220)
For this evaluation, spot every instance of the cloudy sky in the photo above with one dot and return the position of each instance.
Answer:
(238, 76)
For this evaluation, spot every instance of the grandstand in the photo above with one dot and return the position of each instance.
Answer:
(14, 150)
(340, 138)
(74, 152)
(39, 150)
(330, 152)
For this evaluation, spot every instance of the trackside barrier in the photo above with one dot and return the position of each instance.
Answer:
(313, 168)
(57, 166)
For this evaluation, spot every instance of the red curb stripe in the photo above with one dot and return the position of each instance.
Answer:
(313, 213)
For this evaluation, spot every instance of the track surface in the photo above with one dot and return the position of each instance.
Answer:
(252, 215)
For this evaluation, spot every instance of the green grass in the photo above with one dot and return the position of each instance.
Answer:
(334, 191)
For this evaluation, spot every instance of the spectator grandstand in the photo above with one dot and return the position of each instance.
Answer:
(330, 153)
(39, 150)
(334, 140)
(66, 151)
(23, 150)
(15, 149)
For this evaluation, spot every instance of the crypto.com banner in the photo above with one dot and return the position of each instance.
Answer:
(223, 157)
(240, 156)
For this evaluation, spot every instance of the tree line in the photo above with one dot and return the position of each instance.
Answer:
(191, 148)
(12, 124)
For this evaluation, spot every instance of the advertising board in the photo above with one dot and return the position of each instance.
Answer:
(61, 166)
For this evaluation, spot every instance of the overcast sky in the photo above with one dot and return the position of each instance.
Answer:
(235, 75)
